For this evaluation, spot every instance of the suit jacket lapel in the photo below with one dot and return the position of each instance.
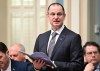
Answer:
(59, 41)
(46, 41)
(12, 66)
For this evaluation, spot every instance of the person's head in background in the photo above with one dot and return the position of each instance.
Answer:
(91, 52)
(15, 53)
(4, 57)
(56, 15)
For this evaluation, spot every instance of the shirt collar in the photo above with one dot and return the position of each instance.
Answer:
(58, 31)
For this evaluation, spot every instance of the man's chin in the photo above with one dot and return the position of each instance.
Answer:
(1, 66)
(57, 24)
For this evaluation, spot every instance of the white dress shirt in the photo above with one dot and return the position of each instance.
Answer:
(58, 33)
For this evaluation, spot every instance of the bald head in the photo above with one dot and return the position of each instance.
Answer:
(15, 53)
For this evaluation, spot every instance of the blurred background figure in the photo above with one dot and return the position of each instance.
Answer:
(92, 56)
(7, 64)
(15, 53)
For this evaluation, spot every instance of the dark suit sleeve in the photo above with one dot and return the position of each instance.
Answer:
(76, 61)
(21, 66)
(36, 48)
(30, 67)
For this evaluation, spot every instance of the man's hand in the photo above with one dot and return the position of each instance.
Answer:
(38, 64)
(89, 67)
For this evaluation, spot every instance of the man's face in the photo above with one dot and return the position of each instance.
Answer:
(56, 16)
(16, 55)
(92, 54)
(4, 61)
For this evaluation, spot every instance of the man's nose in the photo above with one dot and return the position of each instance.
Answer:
(56, 16)
(93, 54)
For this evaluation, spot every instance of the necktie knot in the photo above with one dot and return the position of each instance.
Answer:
(54, 34)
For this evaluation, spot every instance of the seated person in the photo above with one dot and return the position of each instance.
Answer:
(15, 53)
(7, 64)
(92, 56)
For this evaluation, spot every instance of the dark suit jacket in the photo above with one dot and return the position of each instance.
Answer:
(67, 53)
(21, 66)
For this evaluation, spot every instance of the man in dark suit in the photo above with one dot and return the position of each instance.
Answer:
(6, 64)
(67, 53)
(91, 56)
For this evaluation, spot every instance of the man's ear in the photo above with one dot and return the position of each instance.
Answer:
(7, 52)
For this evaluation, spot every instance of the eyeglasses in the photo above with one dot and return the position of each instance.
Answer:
(90, 53)
(58, 14)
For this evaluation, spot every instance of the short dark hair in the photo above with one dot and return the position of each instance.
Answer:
(91, 43)
(57, 4)
(3, 47)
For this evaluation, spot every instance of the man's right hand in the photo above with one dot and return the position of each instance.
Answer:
(38, 64)
(89, 67)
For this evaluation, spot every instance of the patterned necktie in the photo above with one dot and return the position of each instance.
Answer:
(52, 44)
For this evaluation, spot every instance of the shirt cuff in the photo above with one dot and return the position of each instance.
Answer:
(36, 69)
(54, 64)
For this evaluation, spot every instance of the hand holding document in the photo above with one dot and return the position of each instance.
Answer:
(42, 56)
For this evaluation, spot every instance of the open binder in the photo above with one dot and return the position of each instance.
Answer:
(40, 55)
